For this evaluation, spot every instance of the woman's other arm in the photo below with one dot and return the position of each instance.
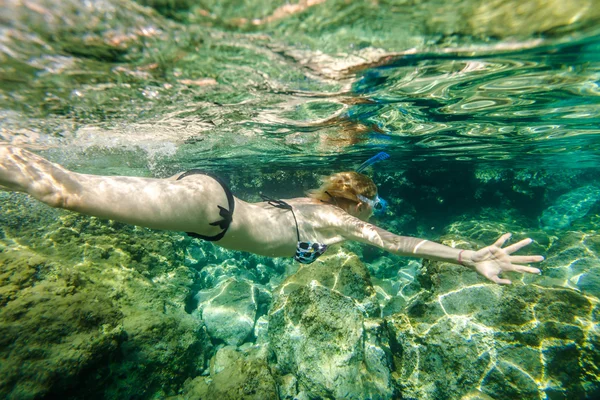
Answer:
(489, 261)
(186, 205)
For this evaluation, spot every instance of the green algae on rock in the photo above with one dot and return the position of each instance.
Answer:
(320, 331)
(59, 330)
(94, 310)
(342, 272)
(234, 374)
(456, 337)
(519, 341)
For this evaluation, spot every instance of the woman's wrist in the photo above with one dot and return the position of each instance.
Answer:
(465, 258)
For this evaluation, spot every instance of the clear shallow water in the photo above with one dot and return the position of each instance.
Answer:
(491, 120)
(107, 76)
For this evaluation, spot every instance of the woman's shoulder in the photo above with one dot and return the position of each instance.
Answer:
(310, 203)
(304, 201)
(318, 212)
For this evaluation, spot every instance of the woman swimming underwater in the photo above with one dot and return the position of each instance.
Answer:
(200, 204)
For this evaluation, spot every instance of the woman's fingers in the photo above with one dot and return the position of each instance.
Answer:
(499, 280)
(499, 260)
(517, 246)
(525, 259)
(524, 268)
(502, 239)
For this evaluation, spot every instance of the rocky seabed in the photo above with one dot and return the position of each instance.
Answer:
(92, 309)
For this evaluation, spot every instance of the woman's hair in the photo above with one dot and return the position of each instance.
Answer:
(342, 189)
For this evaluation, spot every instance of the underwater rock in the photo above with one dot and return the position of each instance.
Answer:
(175, 285)
(234, 375)
(323, 338)
(317, 335)
(570, 207)
(572, 261)
(287, 386)
(476, 395)
(589, 282)
(442, 362)
(213, 275)
(224, 264)
(223, 358)
(342, 272)
(261, 329)
(393, 293)
(229, 310)
(94, 308)
(56, 325)
(162, 350)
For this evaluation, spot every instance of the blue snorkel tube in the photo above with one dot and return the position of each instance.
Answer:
(378, 204)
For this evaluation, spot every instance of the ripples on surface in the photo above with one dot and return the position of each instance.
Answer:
(516, 106)
(227, 84)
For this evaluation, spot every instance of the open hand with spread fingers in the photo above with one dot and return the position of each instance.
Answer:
(493, 260)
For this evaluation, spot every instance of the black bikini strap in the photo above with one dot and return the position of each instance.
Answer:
(275, 203)
(226, 214)
(283, 205)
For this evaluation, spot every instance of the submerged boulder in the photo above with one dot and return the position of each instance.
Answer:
(343, 273)
(91, 309)
(229, 310)
(570, 207)
(465, 337)
(67, 330)
(234, 374)
(55, 327)
(320, 334)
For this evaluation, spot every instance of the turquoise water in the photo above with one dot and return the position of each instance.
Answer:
(488, 109)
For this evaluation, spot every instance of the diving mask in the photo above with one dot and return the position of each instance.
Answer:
(378, 205)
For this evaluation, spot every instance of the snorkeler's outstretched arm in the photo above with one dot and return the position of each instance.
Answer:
(184, 205)
(489, 261)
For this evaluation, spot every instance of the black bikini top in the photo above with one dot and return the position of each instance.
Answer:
(283, 205)
(226, 214)
(306, 252)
